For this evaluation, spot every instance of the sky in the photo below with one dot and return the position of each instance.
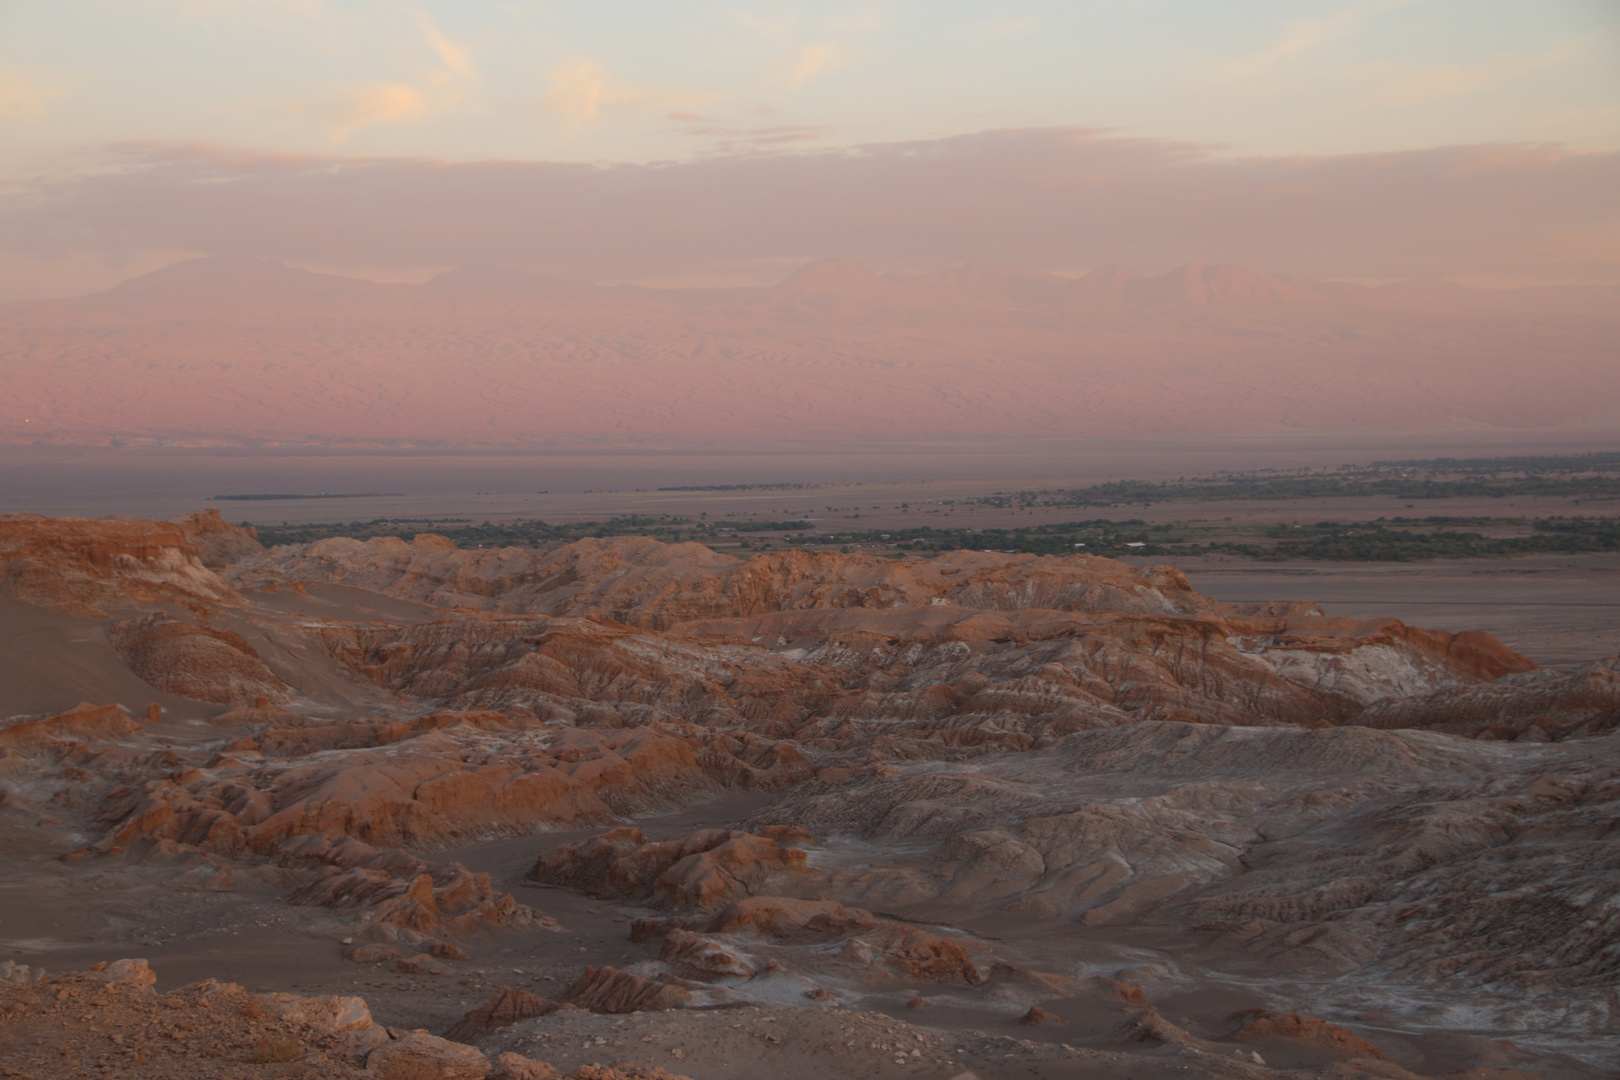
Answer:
(391, 139)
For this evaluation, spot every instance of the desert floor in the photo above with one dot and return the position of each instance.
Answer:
(1560, 611)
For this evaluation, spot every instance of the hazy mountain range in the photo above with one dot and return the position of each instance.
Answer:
(227, 350)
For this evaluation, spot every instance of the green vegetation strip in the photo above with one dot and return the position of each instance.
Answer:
(317, 495)
(1396, 540)
(469, 534)
(1399, 539)
(1391, 540)
(1577, 476)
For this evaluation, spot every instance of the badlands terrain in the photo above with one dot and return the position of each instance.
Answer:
(622, 808)
(234, 352)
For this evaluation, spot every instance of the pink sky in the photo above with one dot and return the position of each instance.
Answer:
(1062, 200)
(232, 351)
(677, 142)
(684, 144)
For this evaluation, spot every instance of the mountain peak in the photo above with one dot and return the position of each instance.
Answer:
(1223, 284)
(213, 280)
(838, 285)
(831, 275)
(981, 282)
(509, 280)
(205, 269)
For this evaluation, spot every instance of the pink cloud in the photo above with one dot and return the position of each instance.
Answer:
(1058, 199)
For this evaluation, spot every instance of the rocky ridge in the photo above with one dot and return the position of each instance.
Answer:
(220, 1030)
(937, 750)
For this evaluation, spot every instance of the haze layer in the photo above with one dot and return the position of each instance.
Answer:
(228, 351)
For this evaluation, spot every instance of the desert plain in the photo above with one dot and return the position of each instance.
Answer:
(625, 805)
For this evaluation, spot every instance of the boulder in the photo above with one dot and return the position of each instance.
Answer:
(19, 974)
(421, 964)
(372, 954)
(420, 1056)
(624, 1072)
(922, 955)
(609, 990)
(324, 1015)
(507, 1007)
(700, 870)
(510, 1066)
(692, 956)
(785, 919)
(1254, 1024)
(135, 973)
(449, 950)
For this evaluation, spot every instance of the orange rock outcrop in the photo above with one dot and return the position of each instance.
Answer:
(1070, 744)
(700, 870)
(507, 1007)
(609, 990)
(79, 566)
(1254, 1024)
(196, 661)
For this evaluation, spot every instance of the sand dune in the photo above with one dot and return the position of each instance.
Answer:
(234, 351)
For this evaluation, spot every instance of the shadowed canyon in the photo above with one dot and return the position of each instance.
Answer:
(622, 808)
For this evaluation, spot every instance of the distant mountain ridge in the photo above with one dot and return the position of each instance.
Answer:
(847, 288)
(234, 350)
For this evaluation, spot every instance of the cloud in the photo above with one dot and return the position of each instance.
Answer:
(865, 21)
(802, 62)
(812, 61)
(455, 57)
(757, 140)
(1306, 36)
(22, 96)
(580, 88)
(1412, 84)
(347, 109)
(354, 107)
(261, 11)
(1006, 27)
(1056, 199)
(779, 27)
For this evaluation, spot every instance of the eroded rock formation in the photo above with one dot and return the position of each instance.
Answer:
(1063, 744)
(78, 566)
(700, 870)
(196, 661)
